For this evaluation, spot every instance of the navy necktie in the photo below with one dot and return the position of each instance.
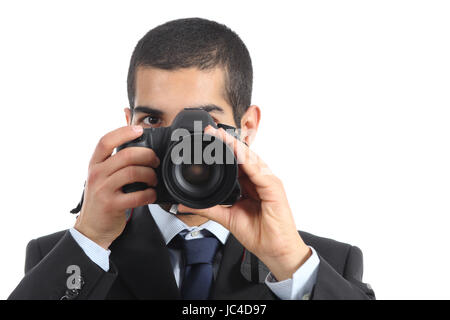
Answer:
(198, 271)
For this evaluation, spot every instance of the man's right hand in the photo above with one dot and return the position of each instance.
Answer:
(102, 217)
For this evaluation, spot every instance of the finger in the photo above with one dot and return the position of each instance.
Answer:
(132, 156)
(132, 174)
(247, 188)
(112, 140)
(123, 201)
(219, 214)
(252, 165)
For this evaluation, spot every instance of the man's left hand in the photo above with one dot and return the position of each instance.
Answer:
(261, 220)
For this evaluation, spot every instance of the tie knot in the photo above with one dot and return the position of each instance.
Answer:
(200, 250)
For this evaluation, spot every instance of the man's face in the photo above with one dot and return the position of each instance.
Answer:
(161, 94)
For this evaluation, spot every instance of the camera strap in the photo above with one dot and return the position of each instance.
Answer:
(80, 204)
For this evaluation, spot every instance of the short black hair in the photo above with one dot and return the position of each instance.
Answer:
(201, 43)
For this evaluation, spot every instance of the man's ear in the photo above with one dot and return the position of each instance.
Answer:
(128, 115)
(250, 123)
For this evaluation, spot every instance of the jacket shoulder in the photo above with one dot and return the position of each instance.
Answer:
(336, 253)
(46, 243)
(38, 248)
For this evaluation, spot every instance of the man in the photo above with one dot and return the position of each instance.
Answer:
(254, 250)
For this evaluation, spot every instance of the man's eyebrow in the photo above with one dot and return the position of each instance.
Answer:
(148, 110)
(207, 108)
(157, 112)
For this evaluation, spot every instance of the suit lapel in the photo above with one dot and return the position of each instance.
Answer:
(142, 259)
(233, 280)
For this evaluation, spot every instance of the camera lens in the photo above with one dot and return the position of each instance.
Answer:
(200, 184)
(197, 181)
(196, 174)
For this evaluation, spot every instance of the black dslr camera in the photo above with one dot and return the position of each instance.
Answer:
(196, 169)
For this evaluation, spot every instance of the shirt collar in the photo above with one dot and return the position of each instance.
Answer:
(170, 225)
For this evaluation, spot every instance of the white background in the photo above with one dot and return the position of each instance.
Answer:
(355, 119)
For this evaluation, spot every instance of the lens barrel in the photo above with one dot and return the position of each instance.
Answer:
(200, 184)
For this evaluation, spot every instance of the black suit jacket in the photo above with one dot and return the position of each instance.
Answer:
(140, 268)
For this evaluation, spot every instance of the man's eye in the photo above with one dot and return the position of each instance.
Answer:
(151, 120)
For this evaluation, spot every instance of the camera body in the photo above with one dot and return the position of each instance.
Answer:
(196, 169)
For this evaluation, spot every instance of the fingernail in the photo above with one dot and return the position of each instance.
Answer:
(138, 129)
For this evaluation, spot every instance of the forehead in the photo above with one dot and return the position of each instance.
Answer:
(180, 88)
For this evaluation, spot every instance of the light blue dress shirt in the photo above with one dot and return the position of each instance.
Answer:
(296, 288)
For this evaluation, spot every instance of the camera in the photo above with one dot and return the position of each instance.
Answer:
(197, 169)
